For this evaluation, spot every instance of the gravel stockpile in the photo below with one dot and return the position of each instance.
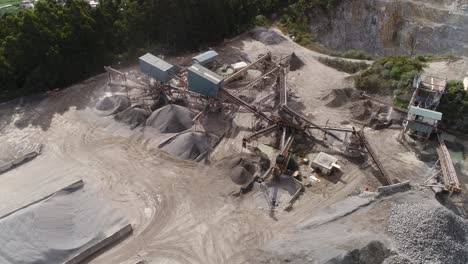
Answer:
(267, 37)
(241, 170)
(57, 228)
(133, 117)
(340, 97)
(374, 253)
(171, 119)
(190, 145)
(428, 234)
(113, 104)
(396, 259)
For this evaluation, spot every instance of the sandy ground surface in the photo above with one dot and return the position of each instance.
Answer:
(182, 211)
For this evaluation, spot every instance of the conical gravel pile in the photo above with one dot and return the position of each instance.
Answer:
(428, 233)
(171, 119)
(240, 169)
(133, 117)
(113, 104)
(190, 145)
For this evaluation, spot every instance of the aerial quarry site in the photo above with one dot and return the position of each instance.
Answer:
(252, 152)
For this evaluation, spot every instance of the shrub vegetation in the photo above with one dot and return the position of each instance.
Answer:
(390, 75)
(350, 67)
(454, 106)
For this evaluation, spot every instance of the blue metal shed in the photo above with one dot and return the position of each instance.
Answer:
(203, 81)
(425, 113)
(205, 58)
(156, 67)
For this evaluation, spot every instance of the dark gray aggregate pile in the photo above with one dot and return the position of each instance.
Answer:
(241, 170)
(190, 145)
(133, 116)
(267, 37)
(113, 104)
(171, 119)
(429, 233)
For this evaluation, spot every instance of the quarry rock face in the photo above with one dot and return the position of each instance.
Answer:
(387, 27)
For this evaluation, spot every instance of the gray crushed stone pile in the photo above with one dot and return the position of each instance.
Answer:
(241, 170)
(396, 259)
(133, 117)
(112, 104)
(429, 234)
(171, 119)
(267, 37)
(57, 229)
(190, 145)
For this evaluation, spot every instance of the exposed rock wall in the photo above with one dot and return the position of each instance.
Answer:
(386, 27)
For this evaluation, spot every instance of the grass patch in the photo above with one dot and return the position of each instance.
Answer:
(400, 103)
(350, 67)
(8, 2)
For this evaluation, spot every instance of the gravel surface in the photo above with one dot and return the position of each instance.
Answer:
(396, 259)
(429, 234)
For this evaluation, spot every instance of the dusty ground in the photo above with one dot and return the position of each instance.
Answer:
(181, 211)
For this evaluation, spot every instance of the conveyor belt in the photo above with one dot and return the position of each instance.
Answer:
(451, 181)
(263, 131)
(240, 102)
(239, 73)
(385, 179)
(298, 116)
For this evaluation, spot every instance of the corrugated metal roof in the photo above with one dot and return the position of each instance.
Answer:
(206, 56)
(206, 74)
(156, 62)
(425, 113)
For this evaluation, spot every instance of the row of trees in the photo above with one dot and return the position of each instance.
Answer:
(63, 41)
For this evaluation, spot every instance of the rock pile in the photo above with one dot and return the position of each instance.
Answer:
(190, 145)
(428, 234)
(267, 37)
(240, 169)
(171, 119)
(132, 116)
(113, 104)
